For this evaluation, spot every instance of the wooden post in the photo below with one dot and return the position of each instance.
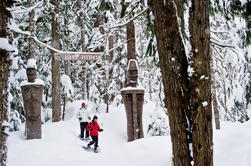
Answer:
(32, 95)
(135, 117)
(130, 30)
(32, 92)
(133, 99)
(32, 31)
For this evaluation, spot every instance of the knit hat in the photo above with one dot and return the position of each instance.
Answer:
(95, 117)
(83, 104)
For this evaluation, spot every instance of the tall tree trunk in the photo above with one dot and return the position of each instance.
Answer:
(82, 26)
(32, 31)
(200, 83)
(214, 99)
(109, 73)
(130, 31)
(102, 86)
(160, 90)
(225, 95)
(111, 45)
(64, 105)
(141, 40)
(173, 64)
(216, 109)
(4, 74)
(150, 86)
(56, 108)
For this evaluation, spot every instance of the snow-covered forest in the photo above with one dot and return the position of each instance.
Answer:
(193, 59)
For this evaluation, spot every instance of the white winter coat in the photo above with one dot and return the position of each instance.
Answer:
(83, 114)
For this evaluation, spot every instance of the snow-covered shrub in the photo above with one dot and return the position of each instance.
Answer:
(159, 123)
(67, 86)
(14, 120)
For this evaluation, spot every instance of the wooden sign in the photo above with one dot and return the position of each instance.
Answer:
(87, 56)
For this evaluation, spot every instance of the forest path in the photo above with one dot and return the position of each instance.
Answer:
(60, 144)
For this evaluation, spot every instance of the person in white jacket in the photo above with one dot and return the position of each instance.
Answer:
(83, 117)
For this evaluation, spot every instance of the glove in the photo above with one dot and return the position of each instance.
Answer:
(101, 130)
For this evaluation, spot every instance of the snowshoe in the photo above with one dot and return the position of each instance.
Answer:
(87, 148)
(96, 150)
(87, 139)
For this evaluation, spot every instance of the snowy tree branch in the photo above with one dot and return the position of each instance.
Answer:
(116, 28)
(133, 18)
(46, 45)
(25, 10)
(70, 52)
(221, 44)
(118, 45)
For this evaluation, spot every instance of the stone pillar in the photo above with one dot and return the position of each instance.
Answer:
(133, 98)
(32, 92)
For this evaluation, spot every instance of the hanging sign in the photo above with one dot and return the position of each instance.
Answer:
(92, 56)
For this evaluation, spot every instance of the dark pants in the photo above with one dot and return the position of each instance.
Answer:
(94, 141)
(83, 129)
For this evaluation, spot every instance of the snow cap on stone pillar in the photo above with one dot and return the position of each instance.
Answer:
(31, 70)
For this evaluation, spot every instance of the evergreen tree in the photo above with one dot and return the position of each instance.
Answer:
(230, 60)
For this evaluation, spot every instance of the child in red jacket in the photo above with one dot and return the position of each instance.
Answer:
(94, 128)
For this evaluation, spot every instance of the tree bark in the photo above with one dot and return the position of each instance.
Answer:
(5, 63)
(150, 86)
(32, 31)
(180, 11)
(4, 71)
(130, 31)
(56, 108)
(82, 26)
(173, 64)
(109, 72)
(200, 83)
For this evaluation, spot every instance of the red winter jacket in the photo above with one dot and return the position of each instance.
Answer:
(93, 127)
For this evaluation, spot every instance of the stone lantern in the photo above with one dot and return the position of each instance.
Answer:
(32, 92)
(133, 98)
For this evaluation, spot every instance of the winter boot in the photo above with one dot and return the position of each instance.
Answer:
(95, 148)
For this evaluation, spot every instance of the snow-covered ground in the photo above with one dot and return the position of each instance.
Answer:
(61, 146)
